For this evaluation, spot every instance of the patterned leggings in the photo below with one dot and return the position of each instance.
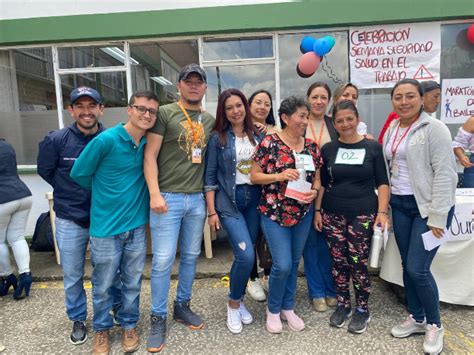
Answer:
(349, 244)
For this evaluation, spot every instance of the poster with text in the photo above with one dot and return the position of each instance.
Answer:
(380, 56)
(457, 100)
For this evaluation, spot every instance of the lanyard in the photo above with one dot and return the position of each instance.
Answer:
(193, 130)
(318, 142)
(394, 149)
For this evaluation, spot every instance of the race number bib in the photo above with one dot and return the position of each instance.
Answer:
(350, 156)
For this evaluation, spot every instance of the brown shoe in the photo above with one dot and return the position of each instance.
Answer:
(319, 304)
(130, 340)
(101, 345)
(331, 301)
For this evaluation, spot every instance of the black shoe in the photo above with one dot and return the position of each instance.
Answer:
(339, 317)
(358, 323)
(79, 333)
(157, 337)
(6, 283)
(23, 289)
(184, 314)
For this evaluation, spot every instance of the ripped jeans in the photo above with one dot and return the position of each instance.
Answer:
(242, 233)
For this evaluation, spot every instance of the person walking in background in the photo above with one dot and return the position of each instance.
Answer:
(15, 206)
(317, 262)
(423, 180)
(56, 156)
(286, 221)
(464, 142)
(174, 172)
(231, 197)
(111, 167)
(347, 209)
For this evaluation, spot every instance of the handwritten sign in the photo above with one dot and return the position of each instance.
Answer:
(382, 55)
(457, 100)
(462, 227)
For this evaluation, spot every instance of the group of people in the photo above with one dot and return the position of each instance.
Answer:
(314, 187)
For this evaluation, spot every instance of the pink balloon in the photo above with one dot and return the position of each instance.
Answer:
(470, 34)
(309, 63)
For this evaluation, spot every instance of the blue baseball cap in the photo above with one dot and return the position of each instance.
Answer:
(85, 91)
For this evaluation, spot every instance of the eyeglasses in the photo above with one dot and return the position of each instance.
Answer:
(142, 110)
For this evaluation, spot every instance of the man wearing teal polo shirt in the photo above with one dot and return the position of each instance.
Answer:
(111, 166)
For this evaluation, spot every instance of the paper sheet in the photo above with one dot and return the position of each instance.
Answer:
(430, 241)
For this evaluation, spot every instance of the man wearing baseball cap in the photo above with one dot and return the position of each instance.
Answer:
(174, 172)
(57, 153)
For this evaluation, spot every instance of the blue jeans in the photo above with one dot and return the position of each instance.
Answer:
(468, 178)
(184, 221)
(420, 286)
(242, 232)
(286, 246)
(317, 266)
(122, 254)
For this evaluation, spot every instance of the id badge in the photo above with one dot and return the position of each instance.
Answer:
(394, 169)
(196, 157)
(307, 161)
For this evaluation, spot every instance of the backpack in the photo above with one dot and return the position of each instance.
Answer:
(43, 235)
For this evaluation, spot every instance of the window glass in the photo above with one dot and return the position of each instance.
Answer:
(234, 49)
(28, 108)
(91, 56)
(457, 57)
(246, 78)
(111, 86)
(333, 70)
(159, 66)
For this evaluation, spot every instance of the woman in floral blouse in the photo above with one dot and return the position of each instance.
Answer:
(281, 159)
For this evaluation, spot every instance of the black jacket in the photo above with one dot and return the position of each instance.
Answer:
(11, 187)
(57, 153)
(330, 125)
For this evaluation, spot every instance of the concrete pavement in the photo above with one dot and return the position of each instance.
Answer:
(38, 325)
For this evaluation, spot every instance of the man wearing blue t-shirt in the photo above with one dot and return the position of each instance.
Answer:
(111, 166)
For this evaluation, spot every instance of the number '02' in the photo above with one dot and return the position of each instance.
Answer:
(348, 156)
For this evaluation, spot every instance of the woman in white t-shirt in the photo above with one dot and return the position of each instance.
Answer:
(231, 197)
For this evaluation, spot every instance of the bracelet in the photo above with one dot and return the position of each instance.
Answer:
(381, 212)
(317, 210)
(212, 214)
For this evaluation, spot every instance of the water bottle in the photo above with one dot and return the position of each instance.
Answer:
(377, 243)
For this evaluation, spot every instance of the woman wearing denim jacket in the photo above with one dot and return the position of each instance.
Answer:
(231, 198)
(423, 184)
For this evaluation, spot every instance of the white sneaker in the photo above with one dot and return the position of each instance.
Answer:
(408, 327)
(234, 320)
(255, 290)
(245, 315)
(433, 343)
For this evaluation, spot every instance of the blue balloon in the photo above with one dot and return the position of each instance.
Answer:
(322, 46)
(331, 41)
(307, 44)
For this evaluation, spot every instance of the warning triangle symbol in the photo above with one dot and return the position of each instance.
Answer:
(423, 74)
